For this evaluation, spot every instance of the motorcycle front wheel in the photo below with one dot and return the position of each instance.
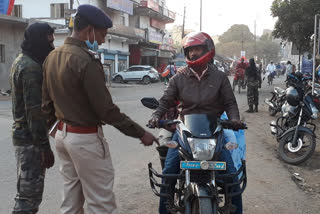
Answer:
(299, 154)
(204, 206)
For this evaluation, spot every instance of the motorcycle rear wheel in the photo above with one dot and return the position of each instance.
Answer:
(204, 206)
(306, 150)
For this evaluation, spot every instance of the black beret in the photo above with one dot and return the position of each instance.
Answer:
(95, 16)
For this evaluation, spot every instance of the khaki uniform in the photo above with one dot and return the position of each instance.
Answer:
(74, 92)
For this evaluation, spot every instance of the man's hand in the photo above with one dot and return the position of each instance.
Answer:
(147, 139)
(47, 158)
(237, 124)
(154, 122)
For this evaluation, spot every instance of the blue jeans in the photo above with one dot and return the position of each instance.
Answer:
(172, 166)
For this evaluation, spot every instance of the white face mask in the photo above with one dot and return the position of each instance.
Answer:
(93, 46)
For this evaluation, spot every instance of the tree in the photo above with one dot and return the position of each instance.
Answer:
(295, 21)
(237, 33)
(230, 44)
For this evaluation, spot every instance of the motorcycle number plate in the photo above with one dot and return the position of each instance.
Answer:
(197, 165)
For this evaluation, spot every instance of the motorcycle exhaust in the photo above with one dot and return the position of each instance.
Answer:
(273, 127)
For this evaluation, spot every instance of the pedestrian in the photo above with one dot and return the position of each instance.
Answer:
(289, 68)
(29, 132)
(253, 82)
(75, 94)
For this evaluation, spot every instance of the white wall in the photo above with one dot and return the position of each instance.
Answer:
(11, 36)
(144, 22)
(115, 45)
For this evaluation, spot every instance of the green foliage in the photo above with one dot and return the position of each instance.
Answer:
(230, 44)
(295, 20)
(237, 33)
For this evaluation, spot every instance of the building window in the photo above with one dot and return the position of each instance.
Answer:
(123, 20)
(57, 10)
(2, 56)
(17, 11)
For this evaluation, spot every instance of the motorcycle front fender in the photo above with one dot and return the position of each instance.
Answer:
(300, 128)
(269, 103)
(199, 191)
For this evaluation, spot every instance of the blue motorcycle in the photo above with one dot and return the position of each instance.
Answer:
(205, 185)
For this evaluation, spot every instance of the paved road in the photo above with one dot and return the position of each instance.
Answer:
(270, 188)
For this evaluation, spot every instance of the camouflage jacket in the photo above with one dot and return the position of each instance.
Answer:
(29, 125)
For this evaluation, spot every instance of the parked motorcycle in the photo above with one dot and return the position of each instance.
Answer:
(203, 183)
(293, 130)
(277, 100)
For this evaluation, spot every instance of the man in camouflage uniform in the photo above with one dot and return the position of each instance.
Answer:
(30, 134)
(253, 79)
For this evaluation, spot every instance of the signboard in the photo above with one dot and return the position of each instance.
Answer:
(121, 5)
(150, 4)
(6, 6)
(68, 17)
(156, 24)
(172, 15)
(155, 37)
(307, 65)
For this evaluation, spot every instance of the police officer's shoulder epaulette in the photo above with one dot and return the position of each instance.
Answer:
(94, 54)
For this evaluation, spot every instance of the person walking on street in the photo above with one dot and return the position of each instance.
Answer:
(254, 82)
(29, 131)
(75, 94)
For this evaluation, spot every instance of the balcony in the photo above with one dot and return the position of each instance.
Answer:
(129, 32)
(153, 10)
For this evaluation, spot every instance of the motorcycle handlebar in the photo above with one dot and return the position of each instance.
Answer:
(226, 124)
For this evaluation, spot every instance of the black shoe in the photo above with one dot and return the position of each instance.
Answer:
(250, 110)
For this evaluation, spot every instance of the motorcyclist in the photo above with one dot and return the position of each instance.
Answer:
(201, 89)
(240, 69)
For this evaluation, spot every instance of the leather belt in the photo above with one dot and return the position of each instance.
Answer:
(78, 129)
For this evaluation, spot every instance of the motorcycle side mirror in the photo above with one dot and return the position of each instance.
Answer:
(150, 102)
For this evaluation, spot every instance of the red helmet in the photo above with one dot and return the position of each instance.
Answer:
(198, 39)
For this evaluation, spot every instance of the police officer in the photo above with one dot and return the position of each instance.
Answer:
(74, 92)
(253, 79)
(29, 132)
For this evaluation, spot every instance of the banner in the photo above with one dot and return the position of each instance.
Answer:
(6, 6)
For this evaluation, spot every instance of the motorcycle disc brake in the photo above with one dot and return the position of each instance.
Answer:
(297, 148)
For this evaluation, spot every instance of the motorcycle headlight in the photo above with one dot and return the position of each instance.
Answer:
(202, 149)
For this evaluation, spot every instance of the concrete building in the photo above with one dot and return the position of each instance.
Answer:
(137, 36)
(11, 37)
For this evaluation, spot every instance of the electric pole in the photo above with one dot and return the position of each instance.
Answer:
(71, 4)
(184, 17)
(200, 15)
(255, 39)
(242, 39)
